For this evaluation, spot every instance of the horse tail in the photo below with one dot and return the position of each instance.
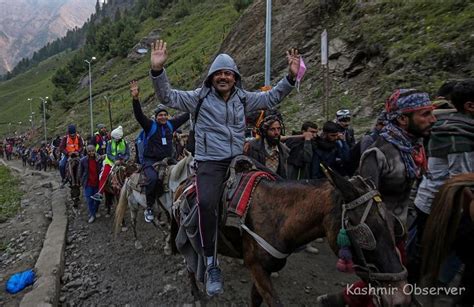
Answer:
(442, 224)
(121, 207)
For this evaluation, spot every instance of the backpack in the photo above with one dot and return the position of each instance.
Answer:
(141, 141)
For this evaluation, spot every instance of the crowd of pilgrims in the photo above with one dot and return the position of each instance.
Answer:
(298, 155)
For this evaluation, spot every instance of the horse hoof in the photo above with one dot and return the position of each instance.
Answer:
(138, 245)
(124, 229)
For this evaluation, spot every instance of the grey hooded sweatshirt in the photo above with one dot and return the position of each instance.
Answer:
(220, 125)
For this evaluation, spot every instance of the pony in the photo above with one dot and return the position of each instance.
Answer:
(288, 215)
(53, 159)
(450, 226)
(72, 176)
(115, 182)
(135, 200)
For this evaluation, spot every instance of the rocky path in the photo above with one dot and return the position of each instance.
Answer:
(103, 270)
(24, 233)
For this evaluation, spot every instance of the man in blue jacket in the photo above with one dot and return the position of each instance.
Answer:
(159, 144)
(219, 107)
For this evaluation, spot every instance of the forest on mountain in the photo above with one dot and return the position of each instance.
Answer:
(374, 47)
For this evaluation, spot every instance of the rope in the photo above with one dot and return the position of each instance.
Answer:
(264, 244)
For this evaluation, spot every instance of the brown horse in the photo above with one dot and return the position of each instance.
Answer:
(451, 226)
(289, 215)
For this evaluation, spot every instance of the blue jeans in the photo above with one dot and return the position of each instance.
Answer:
(92, 204)
(62, 167)
(152, 183)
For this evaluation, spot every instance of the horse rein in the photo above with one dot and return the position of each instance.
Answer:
(366, 270)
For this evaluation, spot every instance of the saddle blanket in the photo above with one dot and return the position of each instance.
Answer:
(239, 201)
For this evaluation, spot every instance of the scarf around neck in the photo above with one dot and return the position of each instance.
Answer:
(411, 150)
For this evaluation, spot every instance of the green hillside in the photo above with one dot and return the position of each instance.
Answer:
(14, 94)
(193, 41)
(377, 46)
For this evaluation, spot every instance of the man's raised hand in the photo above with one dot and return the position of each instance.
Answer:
(134, 89)
(293, 62)
(158, 55)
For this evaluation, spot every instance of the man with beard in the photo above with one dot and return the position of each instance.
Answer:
(397, 158)
(393, 163)
(219, 108)
(268, 150)
(330, 150)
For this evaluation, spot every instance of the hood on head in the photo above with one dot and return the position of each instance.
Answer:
(223, 61)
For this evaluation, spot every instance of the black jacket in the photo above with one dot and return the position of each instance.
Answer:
(257, 151)
(156, 150)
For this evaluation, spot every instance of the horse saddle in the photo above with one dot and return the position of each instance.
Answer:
(162, 169)
(243, 176)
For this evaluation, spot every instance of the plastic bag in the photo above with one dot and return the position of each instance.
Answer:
(19, 281)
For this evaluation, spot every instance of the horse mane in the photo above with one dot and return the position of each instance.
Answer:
(442, 224)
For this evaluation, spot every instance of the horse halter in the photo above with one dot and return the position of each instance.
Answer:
(362, 238)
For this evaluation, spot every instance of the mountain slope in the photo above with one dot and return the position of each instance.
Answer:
(374, 48)
(27, 25)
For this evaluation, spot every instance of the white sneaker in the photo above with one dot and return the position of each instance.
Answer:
(311, 249)
(149, 217)
(91, 220)
(97, 197)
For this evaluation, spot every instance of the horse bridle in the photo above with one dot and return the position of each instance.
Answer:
(362, 237)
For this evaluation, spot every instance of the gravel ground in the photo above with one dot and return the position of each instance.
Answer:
(101, 270)
(23, 234)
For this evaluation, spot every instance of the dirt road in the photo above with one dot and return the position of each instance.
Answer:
(103, 270)
(23, 234)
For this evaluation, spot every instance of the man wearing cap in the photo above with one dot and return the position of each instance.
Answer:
(219, 106)
(330, 150)
(268, 150)
(71, 143)
(159, 144)
(343, 119)
(117, 152)
(100, 139)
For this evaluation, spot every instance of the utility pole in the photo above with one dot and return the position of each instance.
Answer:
(90, 93)
(268, 42)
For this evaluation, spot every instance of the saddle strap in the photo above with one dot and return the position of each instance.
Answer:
(264, 244)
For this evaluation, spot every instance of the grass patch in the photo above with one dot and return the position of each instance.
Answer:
(10, 195)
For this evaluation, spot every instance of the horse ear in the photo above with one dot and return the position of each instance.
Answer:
(347, 189)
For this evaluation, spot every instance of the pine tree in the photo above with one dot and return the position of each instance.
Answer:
(97, 7)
